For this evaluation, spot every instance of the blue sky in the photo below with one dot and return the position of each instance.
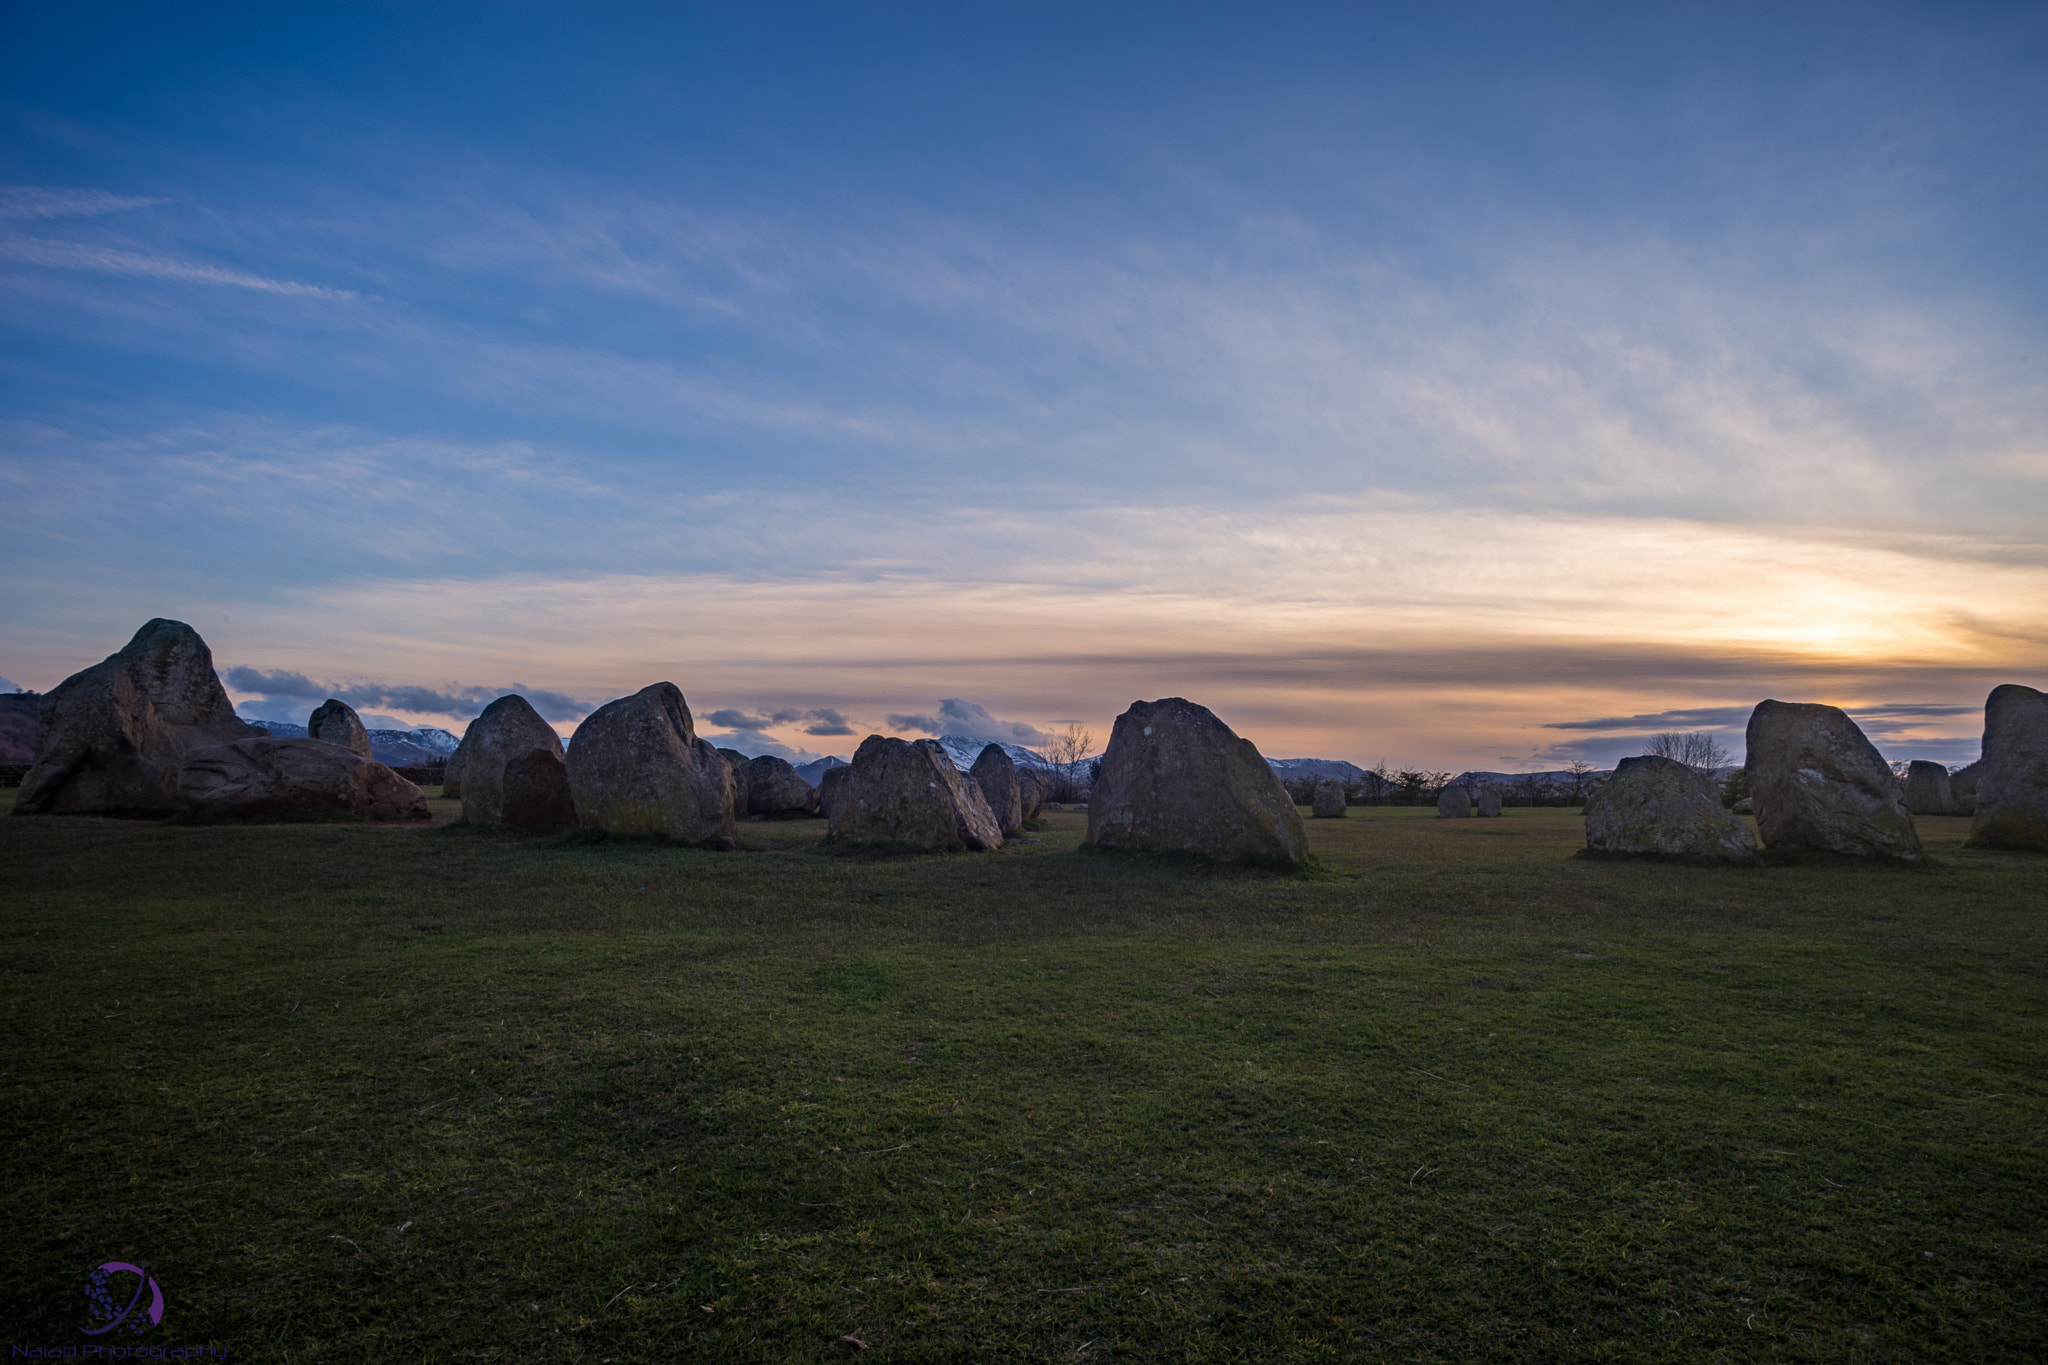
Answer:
(1457, 386)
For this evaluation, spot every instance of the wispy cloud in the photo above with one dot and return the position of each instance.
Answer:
(43, 251)
(37, 201)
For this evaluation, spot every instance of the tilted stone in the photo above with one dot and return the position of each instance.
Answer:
(636, 766)
(1816, 782)
(901, 792)
(1176, 778)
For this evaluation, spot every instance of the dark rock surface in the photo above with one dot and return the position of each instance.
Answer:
(776, 790)
(502, 783)
(995, 776)
(1928, 791)
(112, 737)
(1176, 778)
(2012, 787)
(1658, 805)
(336, 722)
(268, 779)
(1329, 800)
(1454, 803)
(1816, 782)
(636, 766)
(899, 792)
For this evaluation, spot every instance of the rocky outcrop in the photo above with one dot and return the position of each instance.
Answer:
(1487, 806)
(113, 736)
(1659, 805)
(775, 790)
(1816, 782)
(336, 722)
(273, 779)
(995, 775)
(2012, 787)
(1454, 803)
(512, 769)
(1927, 789)
(636, 766)
(899, 792)
(1329, 799)
(1176, 778)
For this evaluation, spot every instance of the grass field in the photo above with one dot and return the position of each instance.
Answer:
(367, 1094)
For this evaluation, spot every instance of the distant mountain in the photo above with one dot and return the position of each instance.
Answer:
(421, 747)
(814, 771)
(963, 751)
(1318, 767)
(1556, 780)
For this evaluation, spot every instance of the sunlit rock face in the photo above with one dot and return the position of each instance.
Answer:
(1928, 791)
(113, 735)
(636, 766)
(1816, 782)
(775, 789)
(1176, 779)
(512, 769)
(903, 792)
(2012, 786)
(995, 776)
(269, 779)
(1659, 805)
(336, 722)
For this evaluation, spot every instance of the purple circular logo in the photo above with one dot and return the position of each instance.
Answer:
(112, 1305)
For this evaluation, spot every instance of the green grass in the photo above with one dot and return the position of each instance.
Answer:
(369, 1094)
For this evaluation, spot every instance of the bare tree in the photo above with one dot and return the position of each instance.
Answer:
(1581, 778)
(1697, 749)
(1068, 755)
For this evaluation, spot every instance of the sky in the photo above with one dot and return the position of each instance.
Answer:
(1454, 386)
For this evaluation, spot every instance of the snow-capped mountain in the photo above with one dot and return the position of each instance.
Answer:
(963, 751)
(424, 746)
(1318, 767)
(814, 771)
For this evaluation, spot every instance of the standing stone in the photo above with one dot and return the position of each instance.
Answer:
(995, 774)
(451, 775)
(268, 779)
(775, 790)
(2012, 788)
(1329, 799)
(1816, 782)
(1032, 789)
(737, 763)
(513, 773)
(336, 722)
(832, 790)
(1454, 803)
(1175, 778)
(900, 792)
(1927, 789)
(113, 736)
(1489, 801)
(1659, 805)
(636, 766)
(1962, 787)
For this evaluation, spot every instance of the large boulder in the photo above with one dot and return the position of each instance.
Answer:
(113, 736)
(636, 766)
(995, 774)
(269, 779)
(1175, 778)
(1329, 799)
(512, 769)
(2012, 787)
(1816, 782)
(900, 792)
(1659, 805)
(775, 790)
(1927, 789)
(1454, 803)
(1488, 801)
(336, 722)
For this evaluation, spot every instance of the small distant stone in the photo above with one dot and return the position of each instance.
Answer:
(336, 722)
(1329, 800)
